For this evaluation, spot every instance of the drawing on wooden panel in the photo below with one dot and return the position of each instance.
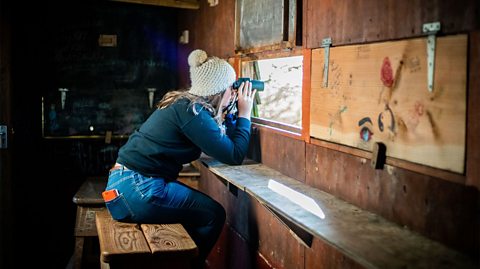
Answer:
(378, 93)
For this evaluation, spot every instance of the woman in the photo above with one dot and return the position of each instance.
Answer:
(185, 124)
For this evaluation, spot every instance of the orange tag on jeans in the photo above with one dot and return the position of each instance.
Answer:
(110, 195)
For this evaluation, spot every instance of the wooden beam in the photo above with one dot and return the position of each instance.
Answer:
(188, 4)
(307, 62)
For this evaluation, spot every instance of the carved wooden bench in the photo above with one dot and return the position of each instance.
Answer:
(132, 245)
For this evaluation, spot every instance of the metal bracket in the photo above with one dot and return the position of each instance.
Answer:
(63, 96)
(3, 136)
(326, 43)
(151, 95)
(431, 29)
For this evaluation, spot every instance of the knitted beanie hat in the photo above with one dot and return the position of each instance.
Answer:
(209, 75)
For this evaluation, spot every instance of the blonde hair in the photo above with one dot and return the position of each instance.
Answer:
(210, 103)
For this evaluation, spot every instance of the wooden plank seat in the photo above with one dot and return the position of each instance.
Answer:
(89, 200)
(133, 245)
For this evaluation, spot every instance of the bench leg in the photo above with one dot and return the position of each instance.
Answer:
(104, 265)
(78, 252)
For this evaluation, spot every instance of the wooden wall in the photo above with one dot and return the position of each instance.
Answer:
(47, 173)
(441, 206)
(6, 236)
(352, 22)
(473, 124)
(211, 29)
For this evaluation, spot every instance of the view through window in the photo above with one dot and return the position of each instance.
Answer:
(281, 101)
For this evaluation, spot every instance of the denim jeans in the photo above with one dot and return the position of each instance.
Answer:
(154, 200)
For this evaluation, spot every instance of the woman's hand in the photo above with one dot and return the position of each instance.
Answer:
(245, 99)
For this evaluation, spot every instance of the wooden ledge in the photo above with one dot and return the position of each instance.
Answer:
(187, 4)
(366, 238)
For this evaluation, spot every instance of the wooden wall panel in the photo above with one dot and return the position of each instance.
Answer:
(236, 203)
(282, 153)
(322, 255)
(439, 209)
(382, 89)
(348, 22)
(253, 223)
(275, 242)
(473, 122)
(231, 251)
(211, 29)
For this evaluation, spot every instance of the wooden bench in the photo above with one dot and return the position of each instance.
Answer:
(131, 245)
(89, 200)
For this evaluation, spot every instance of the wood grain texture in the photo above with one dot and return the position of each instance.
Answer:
(348, 22)
(283, 153)
(169, 239)
(382, 88)
(119, 238)
(211, 29)
(432, 207)
(90, 192)
(189, 4)
(364, 237)
(323, 255)
(414, 167)
(275, 241)
(473, 124)
(85, 221)
(306, 94)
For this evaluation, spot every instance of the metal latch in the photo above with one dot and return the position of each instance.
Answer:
(3, 136)
(431, 29)
(326, 43)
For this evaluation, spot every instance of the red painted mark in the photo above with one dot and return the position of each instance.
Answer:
(387, 73)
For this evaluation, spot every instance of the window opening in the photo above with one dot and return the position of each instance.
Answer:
(281, 101)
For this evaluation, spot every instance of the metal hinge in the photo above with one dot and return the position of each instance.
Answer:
(431, 29)
(326, 43)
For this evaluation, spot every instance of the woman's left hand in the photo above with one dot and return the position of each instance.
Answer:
(245, 99)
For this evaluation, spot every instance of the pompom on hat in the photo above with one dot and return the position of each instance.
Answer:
(209, 75)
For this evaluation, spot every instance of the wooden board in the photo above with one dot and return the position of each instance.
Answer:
(362, 236)
(169, 239)
(189, 4)
(267, 23)
(90, 192)
(378, 93)
(353, 22)
(125, 238)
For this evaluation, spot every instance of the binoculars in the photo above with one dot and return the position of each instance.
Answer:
(256, 84)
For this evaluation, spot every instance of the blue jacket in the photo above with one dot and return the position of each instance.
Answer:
(174, 136)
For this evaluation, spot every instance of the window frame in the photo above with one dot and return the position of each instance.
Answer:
(279, 127)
